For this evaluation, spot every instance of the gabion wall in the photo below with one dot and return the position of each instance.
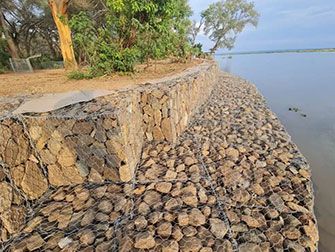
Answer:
(97, 142)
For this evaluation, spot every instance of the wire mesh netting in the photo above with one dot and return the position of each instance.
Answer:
(20, 65)
(234, 181)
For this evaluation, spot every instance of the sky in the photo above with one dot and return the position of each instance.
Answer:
(283, 24)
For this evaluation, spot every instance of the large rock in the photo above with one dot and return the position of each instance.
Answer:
(152, 197)
(34, 184)
(34, 242)
(190, 244)
(13, 219)
(164, 229)
(144, 241)
(196, 218)
(218, 227)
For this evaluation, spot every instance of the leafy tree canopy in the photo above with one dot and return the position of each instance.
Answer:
(113, 35)
(224, 20)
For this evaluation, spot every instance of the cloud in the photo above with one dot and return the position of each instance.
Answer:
(312, 13)
(284, 24)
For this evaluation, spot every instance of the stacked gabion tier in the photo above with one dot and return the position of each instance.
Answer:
(232, 181)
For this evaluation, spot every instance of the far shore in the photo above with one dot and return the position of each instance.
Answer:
(279, 51)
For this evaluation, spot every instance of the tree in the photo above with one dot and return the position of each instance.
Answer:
(12, 47)
(59, 10)
(115, 34)
(224, 20)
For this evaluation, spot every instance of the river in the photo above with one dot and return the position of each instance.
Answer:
(304, 82)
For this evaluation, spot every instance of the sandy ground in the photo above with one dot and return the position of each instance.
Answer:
(56, 81)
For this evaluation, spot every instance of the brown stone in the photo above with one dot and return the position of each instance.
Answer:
(277, 202)
(34, 184)
(183, 219)
(250, 247)
(6, 196)
(126, 174)
(241, 196)
(190, 161)
(163, 187)
(189, 231)
(232, 153)
(105, 206)
(189, 195)
(34, 242)
(83, 128)
(157, 133)
(218, 227)
(177, 233)
(275, 238)
(253, 222)
(54, 146)
(64, 242)
(170, 175)
(190, 244)
(297, 207)
(56, 176)
(167, 129)
(33, 224)
(66, 158)
(88, 218)
(196, 218)
(256, 188)
(2, 175)
(144, 241)
(157, 117)
(292, 233)
(13, 219)
(311, 231)
(152, 198)
(104, 246)
(87, 237)
(170, 246)
(171, 204)
(47, 157)
(17, 174)
(141, 223)
(164, 229)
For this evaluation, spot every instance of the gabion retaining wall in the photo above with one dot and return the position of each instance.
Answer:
(96, 141)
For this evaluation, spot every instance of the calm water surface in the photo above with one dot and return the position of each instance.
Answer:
(305, 81)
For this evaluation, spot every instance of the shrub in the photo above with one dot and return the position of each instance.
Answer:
(80, 75)
(131, 31)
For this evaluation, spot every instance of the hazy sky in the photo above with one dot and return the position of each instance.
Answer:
(284, 24)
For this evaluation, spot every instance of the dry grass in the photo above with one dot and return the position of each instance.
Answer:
(56, 81)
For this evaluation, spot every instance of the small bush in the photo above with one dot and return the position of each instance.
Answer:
(111, 59)
(79, 75)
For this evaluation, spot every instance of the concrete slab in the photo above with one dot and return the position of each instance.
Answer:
(50, 102)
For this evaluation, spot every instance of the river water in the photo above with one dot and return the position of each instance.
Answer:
(305, 81)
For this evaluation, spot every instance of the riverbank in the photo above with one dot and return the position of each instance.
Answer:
(234, 180)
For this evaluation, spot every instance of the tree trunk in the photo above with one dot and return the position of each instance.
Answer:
(59, 13)
(13, 50)
(216, 46)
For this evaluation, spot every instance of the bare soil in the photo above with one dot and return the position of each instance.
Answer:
(56, 80)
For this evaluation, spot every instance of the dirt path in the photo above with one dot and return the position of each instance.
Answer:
(56, 81)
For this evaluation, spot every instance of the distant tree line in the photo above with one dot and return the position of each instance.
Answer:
(114, 35)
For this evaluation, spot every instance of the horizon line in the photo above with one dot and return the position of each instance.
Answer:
(327, 49)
